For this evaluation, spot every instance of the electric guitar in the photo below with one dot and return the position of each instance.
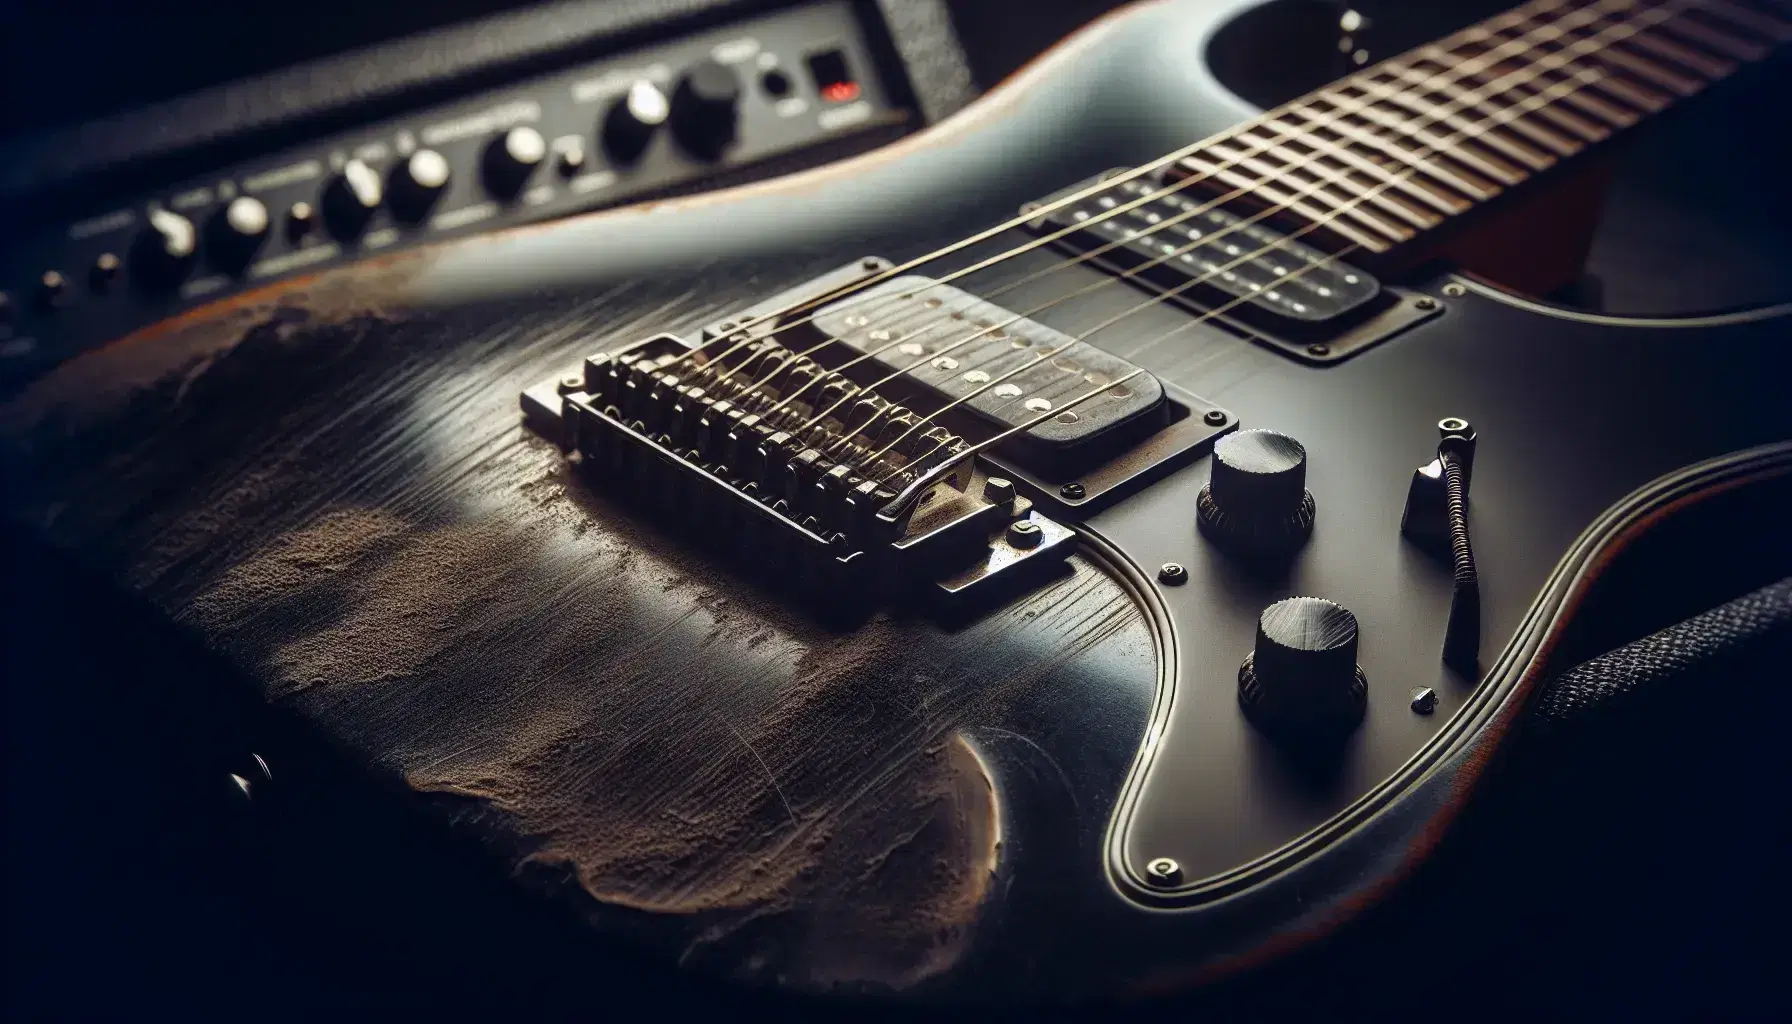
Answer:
(1092, 544)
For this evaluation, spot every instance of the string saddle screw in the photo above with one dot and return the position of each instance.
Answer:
(1163, 872)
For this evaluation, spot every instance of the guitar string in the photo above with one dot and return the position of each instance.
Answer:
(1500, 89)
(912, 465)
(1574, 84)
(1579, 81)
(1519, 15)
(1381, 92)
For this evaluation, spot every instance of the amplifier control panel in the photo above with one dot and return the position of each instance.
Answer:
(640, 122)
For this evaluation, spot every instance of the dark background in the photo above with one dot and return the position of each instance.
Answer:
(1631, 866)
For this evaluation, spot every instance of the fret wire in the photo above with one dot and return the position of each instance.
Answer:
(1443, 202)
(1349, 182)
(1286, 201)
(1588, 129)
(1716, 41)
(1353, 210)
(1754, 21)
(1481, 162)
(1509, 148)
(1537, 133)
(1467, 185)
(1641, 67)
(1656, 42)
(1636, 95)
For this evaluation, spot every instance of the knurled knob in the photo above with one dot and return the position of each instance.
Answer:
(1257, 499)
(1301, 676)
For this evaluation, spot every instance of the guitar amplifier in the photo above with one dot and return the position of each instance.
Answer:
(518, 117)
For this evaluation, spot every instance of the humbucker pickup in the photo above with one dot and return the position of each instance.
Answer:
(1212, 254)
(920, 335)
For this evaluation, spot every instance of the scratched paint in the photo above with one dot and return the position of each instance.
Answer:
(348, 508)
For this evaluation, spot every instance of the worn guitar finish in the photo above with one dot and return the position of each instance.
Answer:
(328, 482)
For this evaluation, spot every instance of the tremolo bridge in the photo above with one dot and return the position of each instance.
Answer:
(886, 446)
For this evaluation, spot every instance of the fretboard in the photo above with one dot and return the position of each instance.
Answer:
(1402, 146)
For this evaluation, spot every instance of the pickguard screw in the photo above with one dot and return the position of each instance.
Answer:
(1163, 872)
(1452, 425)
(1454, 290)
(1024, 533)
(1424, 302)
(1072, 491)
(1424, 700)
(1214, 418)
(1319, 350)
(1173, 574)
(571, 382)
(870, 263)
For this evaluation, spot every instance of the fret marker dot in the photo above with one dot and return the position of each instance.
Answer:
(977, 377)
(1007, 391)
(1039, 404)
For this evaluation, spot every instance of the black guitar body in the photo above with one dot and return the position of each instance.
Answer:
(328, 482)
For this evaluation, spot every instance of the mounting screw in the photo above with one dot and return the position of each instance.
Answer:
(1214, 418)
(1452, 425)
(1319, 350)
(871, 263)
(1024, 533)
(1424, 700)
(1163, 872)
(1454, 290)
(1073, 491)
(1424, 302)
(998, 491)
(1173, 574)
(571, 382)
(724, 327)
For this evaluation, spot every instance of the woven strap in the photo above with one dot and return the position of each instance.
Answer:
(1646, 665)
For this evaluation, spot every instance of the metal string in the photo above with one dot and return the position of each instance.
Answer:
(1270, 118)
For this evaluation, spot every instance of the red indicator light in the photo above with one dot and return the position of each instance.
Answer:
(840, 92)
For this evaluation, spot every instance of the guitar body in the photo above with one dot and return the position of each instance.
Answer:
(328, 482)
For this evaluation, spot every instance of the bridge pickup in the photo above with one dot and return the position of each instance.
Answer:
(949, 346)
(1170, 240)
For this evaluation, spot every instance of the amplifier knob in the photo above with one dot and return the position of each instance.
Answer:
(706, 109)
(235, 233)
(417, 183)
(350, 199)
(511, 158)
(163, 251)
(632, 120)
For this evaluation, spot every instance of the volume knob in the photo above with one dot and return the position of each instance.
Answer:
(351, 198)
(1257, 499)
(632, 120)
(417, 183)
(235, 233)
(1301, 676)
(705, 109)
(511, 158)
(163, 251)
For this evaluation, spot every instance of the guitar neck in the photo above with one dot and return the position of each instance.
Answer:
(1403, 147)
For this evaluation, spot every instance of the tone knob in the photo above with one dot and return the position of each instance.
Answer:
(163, 251)
(1257, 499)
(632, 120)
(511, 158)
(417, 183)
(351, 198)
(235, 233)
(1301, 677)
(706, 108)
